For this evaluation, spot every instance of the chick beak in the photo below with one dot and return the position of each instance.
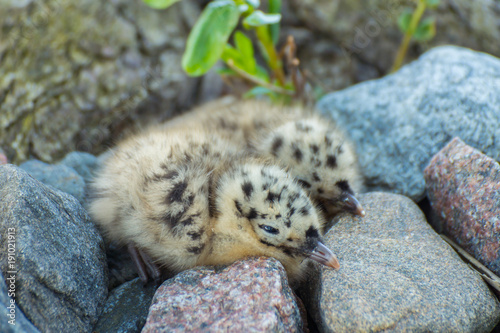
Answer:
(324, 256)
(352, 205)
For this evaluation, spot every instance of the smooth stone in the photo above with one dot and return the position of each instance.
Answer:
(396, 275)
(84, 164)
(248, 296)
(59, 176)
(127, 308)
(463, 186)
(400, 121)
(61, 279)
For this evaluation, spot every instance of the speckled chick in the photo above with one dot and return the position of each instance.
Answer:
(319, 156)
(311, 147)
(239, 122)
(190, 198)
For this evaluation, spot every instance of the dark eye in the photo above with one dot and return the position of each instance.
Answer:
(343, 185)
(269, 229)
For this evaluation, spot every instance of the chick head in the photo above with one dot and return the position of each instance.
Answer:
(266, 212)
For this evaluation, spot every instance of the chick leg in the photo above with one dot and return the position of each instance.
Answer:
(145, 266)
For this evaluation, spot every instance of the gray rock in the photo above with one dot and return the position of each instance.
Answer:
(400, 121)
(13, 319)
(127, 308)
(84, 164)
(248, 296)
(396, 275)
(61, 279)
(74, 84)
(368, 30)
(59, 176)
(327, 63)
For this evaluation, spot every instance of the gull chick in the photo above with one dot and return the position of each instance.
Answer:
(311, 147)
(319, 156)
(185, 199)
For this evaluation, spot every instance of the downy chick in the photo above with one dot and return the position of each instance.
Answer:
(189, 198)
(239, 122)
(318, 155)
(308, 145)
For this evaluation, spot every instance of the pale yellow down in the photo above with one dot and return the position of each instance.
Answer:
(256, 125)
(181, 194)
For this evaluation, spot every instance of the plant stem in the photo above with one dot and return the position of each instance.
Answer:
(272, 57)
(403, 48)
(257, 81)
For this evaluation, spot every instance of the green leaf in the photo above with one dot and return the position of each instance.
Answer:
(160, 4)
(259, 18)
(426, 30)
(253, 3)
(226, 71)
(258, 91)
(404, 20)
(244, 45)
(209, 36)
(289, 86)
(432, 3)
(235, 55)
(243, 8)
(230, 52)
(274, 29)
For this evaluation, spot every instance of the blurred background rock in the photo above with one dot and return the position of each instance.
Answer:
(80, 75)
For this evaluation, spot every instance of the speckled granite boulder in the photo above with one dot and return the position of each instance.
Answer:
(248, 296)
(400, 121)
(463, 186)
(126, 308)
(61, 279)
(60, 176)
(13, 319)
(396, 275)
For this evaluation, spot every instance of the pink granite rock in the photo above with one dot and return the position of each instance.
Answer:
(248, 296)
(3, 157)
(463, 186)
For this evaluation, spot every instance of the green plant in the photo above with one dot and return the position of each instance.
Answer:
(208, 42)
(413, 27)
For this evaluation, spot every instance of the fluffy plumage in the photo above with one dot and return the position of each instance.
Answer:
(311, 147)
(188, 198)
(319, 156)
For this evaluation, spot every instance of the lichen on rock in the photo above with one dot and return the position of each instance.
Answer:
(72, 72)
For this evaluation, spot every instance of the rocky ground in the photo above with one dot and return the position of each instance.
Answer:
(428, 133)
(111, 65)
